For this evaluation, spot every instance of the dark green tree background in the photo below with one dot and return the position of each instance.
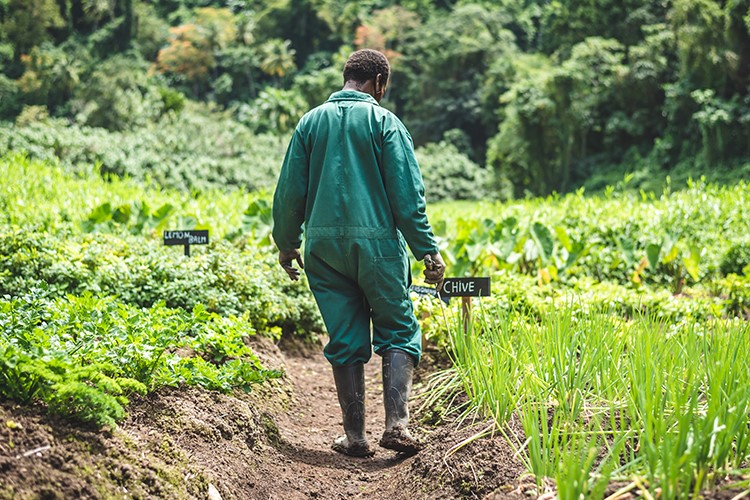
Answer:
(544, 95)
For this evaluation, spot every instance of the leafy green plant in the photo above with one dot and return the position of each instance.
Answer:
(104, 218)
(84, 356)
(193, 150)
(74, 243)
(610, 238)
(736, 259)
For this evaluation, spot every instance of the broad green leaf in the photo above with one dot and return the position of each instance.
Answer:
(144, 211)
(102, 213)
(162, 212)
(531, 250)
(671, 255)
(553, 271)
(669, 248)
(503, 248)
(122, 214)
(439, 228)
(563, 238)
(576, 251)
(87, 226)
(652, 252)
(543, 239)
(473, 251)
(692, 261)
(626, 246)
(504, 237)
(509, 223)
(260, 211)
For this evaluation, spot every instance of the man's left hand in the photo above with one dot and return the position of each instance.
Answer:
(434, 272)
(286, 260)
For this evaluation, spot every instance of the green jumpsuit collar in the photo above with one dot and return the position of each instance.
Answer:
(352, 95)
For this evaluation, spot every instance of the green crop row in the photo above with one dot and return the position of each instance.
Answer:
(661, 405)
(678, 238)
(72, 236)
(95, 308)
(101, 236)
(47, 196)
(684, 237)
(85, 356)
(199, 151)
(225, 278)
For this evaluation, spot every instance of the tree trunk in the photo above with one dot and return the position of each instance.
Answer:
(77, 16)
(124, 33)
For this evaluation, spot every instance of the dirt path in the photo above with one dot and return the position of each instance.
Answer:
(310, 425)
(313, 470)
(271, 444)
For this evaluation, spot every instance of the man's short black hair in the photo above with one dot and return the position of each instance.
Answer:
(364, 65)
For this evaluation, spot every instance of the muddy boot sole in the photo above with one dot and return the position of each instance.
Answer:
(401, 441)
(359, 450)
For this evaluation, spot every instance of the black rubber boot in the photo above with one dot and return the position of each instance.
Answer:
(350, 386)
(398, 368)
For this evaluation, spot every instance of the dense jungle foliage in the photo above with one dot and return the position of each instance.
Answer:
(530, 96)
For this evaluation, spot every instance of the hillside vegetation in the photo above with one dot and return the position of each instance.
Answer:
(534, 96)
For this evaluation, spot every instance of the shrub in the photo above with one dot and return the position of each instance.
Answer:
(190, 151)
(32, 114)
(736, 259)
(449, 174)
(9, 97)
(117, 96)
(225, 279)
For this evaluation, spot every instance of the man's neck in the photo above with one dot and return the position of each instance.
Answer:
(368, 87)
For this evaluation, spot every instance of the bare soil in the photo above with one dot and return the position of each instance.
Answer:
(272, 443)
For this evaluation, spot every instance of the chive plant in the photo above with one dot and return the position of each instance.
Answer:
(599, 398)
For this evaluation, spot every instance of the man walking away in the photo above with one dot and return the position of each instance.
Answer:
(350, 175)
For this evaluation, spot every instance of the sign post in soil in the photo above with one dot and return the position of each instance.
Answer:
(466, 288)
(186, 238)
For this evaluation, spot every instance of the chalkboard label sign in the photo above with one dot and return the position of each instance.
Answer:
(186, 238)
(465, 287)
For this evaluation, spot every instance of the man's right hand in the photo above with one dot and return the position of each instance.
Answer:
(434, 271)
(286, 259)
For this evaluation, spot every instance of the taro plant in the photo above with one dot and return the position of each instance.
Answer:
(677, 258)
(137, 217)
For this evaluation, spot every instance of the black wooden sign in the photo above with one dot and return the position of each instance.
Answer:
(186, 238)
(465, 287)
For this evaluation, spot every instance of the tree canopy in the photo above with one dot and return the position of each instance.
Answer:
(544, 95)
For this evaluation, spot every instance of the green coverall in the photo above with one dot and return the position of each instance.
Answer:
(350, 175)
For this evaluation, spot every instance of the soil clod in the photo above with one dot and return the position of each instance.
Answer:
(360, 450)
(400, 439)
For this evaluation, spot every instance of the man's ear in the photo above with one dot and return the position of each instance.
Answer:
(379, 87)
